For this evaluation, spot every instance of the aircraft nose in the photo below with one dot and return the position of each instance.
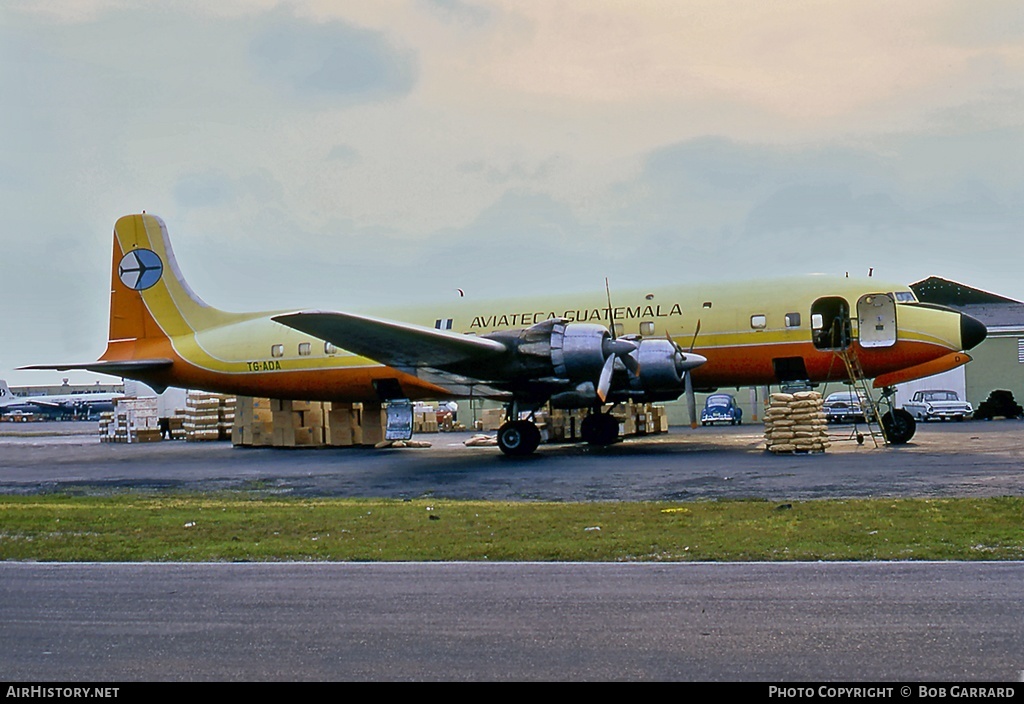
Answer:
(972, 331)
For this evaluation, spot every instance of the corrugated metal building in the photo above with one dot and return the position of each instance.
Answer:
(999, 360)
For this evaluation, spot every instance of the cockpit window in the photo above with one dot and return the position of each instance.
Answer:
(905, 297)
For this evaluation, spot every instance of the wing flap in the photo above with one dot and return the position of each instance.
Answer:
(392, 343)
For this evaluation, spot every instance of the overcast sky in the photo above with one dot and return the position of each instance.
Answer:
(340, 154)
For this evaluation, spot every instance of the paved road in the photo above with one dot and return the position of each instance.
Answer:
(945, 459)
(949, 622)
(773, 623)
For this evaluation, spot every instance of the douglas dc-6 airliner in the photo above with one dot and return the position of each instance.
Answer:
(572, 351)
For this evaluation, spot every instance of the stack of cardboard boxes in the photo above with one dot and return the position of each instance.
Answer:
(641, 419)
(265, 422)
(564, 425)
(254, 422)
(298, 423)
(272, 423)
(424, 419)
(208, 416)
(491, 419)
(132, 420)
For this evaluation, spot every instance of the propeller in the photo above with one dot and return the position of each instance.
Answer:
(613, 349)
(691, 400)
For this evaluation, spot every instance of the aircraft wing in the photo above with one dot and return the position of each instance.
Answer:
(392, 343)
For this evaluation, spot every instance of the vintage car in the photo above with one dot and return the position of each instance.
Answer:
(721, 408)
(943, 404)
(844, 407)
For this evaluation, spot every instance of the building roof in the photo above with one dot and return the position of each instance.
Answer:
(950, 293)
(998, 313)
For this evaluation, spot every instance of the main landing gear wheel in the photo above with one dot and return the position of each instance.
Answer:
(518, 438)
(600, 429)
(899, 426)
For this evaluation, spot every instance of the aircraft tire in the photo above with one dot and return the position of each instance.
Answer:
(899, 426)
(518, 438)
(600, 429)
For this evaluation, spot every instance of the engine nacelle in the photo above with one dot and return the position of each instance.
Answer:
(662, 367)
(570, 364)
(661, 375)
(579, 350)
(557, 351)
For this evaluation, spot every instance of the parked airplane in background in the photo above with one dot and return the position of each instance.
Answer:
(77, 405)
(572, 351)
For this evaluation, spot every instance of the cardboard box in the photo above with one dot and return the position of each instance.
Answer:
(373, 424)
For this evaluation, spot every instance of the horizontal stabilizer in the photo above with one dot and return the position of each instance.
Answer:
(114, 368)
(392, 343)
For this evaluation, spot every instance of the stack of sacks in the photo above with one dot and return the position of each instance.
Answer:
(796, 423)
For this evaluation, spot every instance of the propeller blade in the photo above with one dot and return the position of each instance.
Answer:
(691, 402)
(695, 333)
(605, 382)
(631, 363)
(611, 311)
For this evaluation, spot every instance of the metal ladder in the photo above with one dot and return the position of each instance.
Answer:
(859, 383)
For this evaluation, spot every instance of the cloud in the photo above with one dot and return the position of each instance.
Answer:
(203, 190)
(332, 60)
(823, 207)
(215, 188)
(344, 154)
(460, 12)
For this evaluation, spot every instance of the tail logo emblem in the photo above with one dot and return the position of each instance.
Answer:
(140, 269)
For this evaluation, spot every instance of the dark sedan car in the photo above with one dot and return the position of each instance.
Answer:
(721, 408)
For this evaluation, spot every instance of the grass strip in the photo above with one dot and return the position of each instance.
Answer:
(259, 528)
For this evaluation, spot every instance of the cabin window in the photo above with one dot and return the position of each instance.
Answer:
(329, 348)
(304, 349)
(758, 322)
(707, 304)
(617, 330)
(792, 320)
(277, 350)
(905, 297)
(647, 328)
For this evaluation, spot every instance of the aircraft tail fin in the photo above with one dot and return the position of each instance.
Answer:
(6, 397)
(150, 300)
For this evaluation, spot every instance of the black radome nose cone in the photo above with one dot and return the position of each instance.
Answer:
(972, 331)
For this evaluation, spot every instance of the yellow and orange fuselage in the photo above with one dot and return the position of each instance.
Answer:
(742, 329)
